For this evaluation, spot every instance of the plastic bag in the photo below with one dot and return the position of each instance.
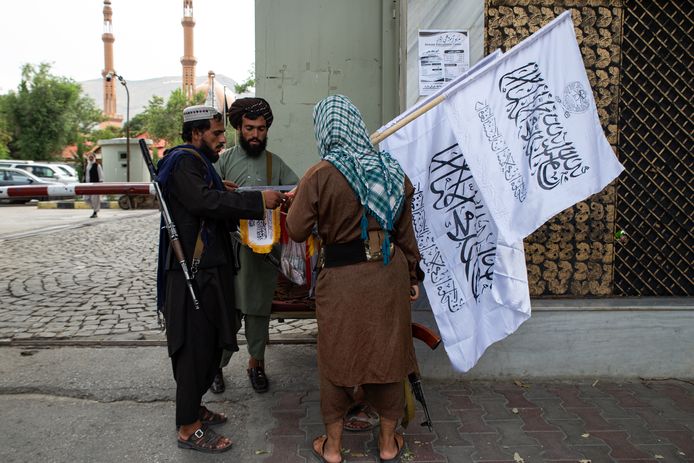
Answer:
(293, 261)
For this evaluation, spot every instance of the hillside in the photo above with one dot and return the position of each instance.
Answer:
(142, 90)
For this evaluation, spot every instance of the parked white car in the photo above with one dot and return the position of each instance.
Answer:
(18, 177)
(50, 172)
(67, 168)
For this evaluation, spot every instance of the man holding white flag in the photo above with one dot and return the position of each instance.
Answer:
(529, 128)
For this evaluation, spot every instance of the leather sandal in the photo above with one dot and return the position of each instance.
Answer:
(398, 456)
(360, 418)
(258, 379)
(204, 440)
(211, 418)
(218, 386)
(319, 456)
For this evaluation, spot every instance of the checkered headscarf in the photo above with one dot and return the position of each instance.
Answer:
(376, 178)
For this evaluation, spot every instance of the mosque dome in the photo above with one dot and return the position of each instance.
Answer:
(216, 99)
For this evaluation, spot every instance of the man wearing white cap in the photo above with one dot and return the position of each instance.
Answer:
(204, 212)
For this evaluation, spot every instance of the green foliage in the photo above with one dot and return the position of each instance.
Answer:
(83, 119)
(137, 124)
(45, 114)
(246, 84)
(5, 134)
(164, 120)
(108, 132)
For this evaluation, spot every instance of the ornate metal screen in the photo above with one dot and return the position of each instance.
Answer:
(655, 197)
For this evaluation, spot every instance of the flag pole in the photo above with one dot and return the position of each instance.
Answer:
(448, 89)
(377, 137)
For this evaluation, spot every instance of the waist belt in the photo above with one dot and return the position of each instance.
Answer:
(352, 252)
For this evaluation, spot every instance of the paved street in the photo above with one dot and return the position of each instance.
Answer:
(115, 405)
(65, 276)
(74, 292)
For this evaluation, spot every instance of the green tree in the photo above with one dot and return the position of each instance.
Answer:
(46, 113)
(164, 120)
(5, 134)
(246, 84)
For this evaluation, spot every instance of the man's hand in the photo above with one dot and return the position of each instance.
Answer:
(414, 292)
(273, 199)
(289, 197)
(229, 185)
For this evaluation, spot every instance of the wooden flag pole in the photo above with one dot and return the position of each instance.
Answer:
(377, 137)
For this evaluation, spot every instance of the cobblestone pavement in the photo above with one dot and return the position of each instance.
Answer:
(95, 283)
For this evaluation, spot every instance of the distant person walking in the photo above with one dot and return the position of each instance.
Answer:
(93, 173)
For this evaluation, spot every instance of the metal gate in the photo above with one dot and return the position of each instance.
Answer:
(654, 194)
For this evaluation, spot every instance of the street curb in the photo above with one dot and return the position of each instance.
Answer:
(45, 343)
(75, 205)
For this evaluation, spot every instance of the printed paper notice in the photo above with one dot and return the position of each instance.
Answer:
(443, 56)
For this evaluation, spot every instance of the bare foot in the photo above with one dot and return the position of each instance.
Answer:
(319, 448)
(388, 451)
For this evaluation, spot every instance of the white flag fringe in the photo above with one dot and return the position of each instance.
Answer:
(476, 282)
(530, 131)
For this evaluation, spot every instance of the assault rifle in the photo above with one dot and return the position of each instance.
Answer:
(418, 392)
(432, 340)
(169, 224)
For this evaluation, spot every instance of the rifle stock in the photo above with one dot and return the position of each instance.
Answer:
(170, 226)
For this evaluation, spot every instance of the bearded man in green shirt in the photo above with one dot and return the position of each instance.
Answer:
(250, 164)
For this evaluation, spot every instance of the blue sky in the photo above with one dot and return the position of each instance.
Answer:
(148, 33)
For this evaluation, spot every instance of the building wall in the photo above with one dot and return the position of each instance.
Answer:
(308, 50)
(441, 14)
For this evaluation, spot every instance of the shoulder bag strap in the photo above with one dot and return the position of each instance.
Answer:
(268, 167)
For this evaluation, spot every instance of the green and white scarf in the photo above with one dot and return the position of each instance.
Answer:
(376, 178)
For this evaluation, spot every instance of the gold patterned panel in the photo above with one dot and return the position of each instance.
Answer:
(573, 253)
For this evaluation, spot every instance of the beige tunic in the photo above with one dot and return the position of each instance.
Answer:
(363, 310)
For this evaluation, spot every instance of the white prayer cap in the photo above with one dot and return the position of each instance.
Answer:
(198, 113)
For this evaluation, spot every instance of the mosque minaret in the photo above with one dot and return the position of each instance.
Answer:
(109, 84)
(188, 60)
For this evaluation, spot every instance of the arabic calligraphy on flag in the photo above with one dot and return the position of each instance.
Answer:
(529, 127)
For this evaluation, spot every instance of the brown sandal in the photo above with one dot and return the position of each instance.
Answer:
(204, 440)
(360, 418)
(211, 418)
(320, 456)
(398, 456)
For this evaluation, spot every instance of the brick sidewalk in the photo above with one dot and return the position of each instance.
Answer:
(496, 422)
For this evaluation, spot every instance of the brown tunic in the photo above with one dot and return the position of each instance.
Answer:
(363, 310)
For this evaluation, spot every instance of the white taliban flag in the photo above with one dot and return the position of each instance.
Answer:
(475, 281)
(528, 126)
